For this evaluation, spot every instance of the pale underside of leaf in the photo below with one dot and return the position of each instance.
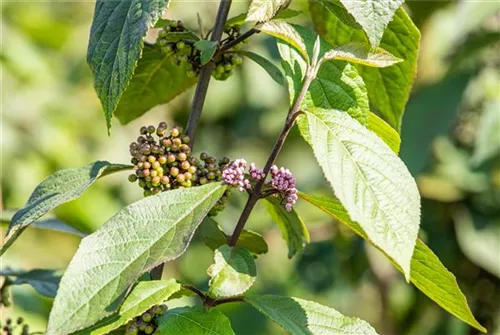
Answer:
(286, 32)
(428, 274)
(373, 16)
(301, 317)
(265, 10)
(232, 273)
(362, 54)
(139, 237)
(369, 179)
(61, 187)
(115, 45)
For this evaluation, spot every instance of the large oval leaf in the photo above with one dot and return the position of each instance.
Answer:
(388, 88)
(194, 321)
(301, 317)
(115, 45)
(57, 189)
(428, 274)
(264, 10)
(369, 179)
(139, 237)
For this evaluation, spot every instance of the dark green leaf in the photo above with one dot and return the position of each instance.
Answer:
(143, 296)
(194, 321)
(336, 8)
(57, 189)
(293, 229)
(428, 274)
(156, 81)
(214, 237)
(301, 317)
(232, 273)
(45, 282)
(388, 88)
(115, 46)
(267, 65)
(207, 49)
(144, 234)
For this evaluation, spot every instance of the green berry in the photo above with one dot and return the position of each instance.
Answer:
(151, 129)
(228, 67)
(146, 317)
(203, 156)
(191, 74)
(192, 169)
(203, 181)
(143, 130)
(153, 173)
(151, 159)
(237, 60)
(188, 175)
(211, 175)
(149, 329)
(156, 165)
(175, 132)
(132, 178)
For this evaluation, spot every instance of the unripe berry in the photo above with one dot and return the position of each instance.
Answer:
(132, 178)
(162, 160)
(177, 142)
(146, 165)
(203, 156)
(165, 180)
(143, 130)
(191, 74)
(151, 159)
(153, 173)
(167, 143)
(174, 171)
(149, 329)
(132, 330)
(211, 175)
(141, 139)
(171, 158)
(184, 165)
(188, 175)
(203, 180)
(185, 148)
(151, 129)
(237, 60)
(228, 67)
(182, 156)
(146, 172)
(180, 178)
(192, 169)
(156, 165)
(146, 317)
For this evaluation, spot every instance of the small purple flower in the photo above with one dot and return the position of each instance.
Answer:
(283, 180)
(255, 173)
(234, 175)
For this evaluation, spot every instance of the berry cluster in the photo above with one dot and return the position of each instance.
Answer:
(9, 327)
(162, 164)
(144, 324)
(282, 181)
(183, 50)
(162, 161)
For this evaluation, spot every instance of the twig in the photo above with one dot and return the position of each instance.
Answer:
(202, 87)
(290, 120)
(238, 40)
(201, 93)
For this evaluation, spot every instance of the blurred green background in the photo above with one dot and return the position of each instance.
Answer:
(52, 119)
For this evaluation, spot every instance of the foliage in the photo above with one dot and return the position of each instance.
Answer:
(349, 82)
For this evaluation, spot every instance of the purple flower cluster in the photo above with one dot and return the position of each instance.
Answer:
(282, 180)
(234, 175)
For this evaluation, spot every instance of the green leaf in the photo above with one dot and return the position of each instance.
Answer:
(207, 49)
(45, 282)
(143, 296)
(293, 229)
(488, 134)
(194, 321)
(265, 10)
(214, 237)
(287, 33)
(116, 41)
(336, 8)
(384, 131)
(156, 81)
(232, 273)
(388, 88)
(373, 16)
(267, 65)
(337, 84)
(369, 179)
(428, 274)
(301, 317)
(362, 54)
(144, 234)
(57, 189)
